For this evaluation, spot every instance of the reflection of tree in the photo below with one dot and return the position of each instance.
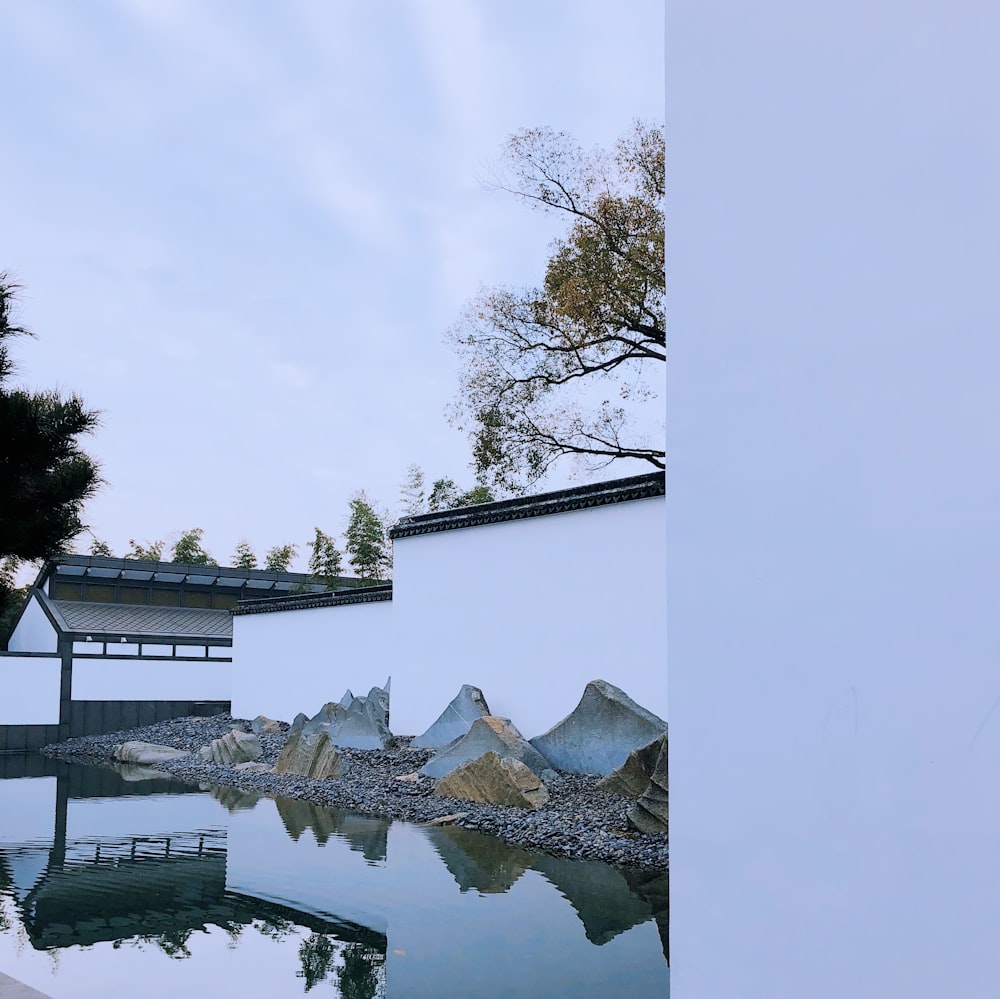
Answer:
(316, 953)
(359, 976)
(173, 943)
(274, 927)
(5, 880)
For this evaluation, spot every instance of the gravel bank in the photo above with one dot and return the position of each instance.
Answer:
(579, 821)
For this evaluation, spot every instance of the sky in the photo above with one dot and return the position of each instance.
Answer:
(243, 229)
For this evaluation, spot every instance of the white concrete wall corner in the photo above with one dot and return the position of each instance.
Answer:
(34, 631)
(29, 690)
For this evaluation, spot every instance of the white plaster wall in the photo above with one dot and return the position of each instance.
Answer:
(34, 632)
(530, 611)
(145, 680)
(291, 661)
(29, 690)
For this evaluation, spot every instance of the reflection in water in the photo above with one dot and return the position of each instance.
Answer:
(366, 835)
(93, 857)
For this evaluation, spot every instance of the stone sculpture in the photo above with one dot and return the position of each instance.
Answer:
(234, 747)
(456, 719)
(632, 777)
(262, 725)
(495, 781)
(485, 734)
(600, 732)
(649, 812)
(309, 753)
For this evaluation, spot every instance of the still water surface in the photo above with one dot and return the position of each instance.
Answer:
(124, 884)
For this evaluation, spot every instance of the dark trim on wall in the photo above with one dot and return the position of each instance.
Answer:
(102, 717)
(302, 601)
(563, 501)
(26, 738)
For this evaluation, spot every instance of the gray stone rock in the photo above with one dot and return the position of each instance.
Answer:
(147, 753)
(632, 777)
(363, 725)
(600, 732)
(234, 747)
(309, 754)
(262, 725)
(648, 813)
(456, 719)
(489, 733)
(495, 781)
(297, 722)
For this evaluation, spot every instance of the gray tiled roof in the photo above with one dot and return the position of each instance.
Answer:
(128, 619)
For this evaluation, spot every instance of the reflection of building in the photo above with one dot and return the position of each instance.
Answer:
(159, 876)
(107, 643)
(429, 911)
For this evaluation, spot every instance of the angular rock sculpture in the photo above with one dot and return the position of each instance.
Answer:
(495, 781)
(262, 725)
(234, 747)
(487, 733)
(148, 753)
(456, 719)
(351, 723)
(649, 812)
(600, 732)
(364, 723)
(632, 777)
(309, 754)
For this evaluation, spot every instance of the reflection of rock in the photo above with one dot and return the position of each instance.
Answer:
(486, 734)
(232, 799)
(632, 777)
(262, 725)
(456, 719)
(477, 861)
(146, 752)
(600, 732)
(600, 894)
(654, 888)
(132, 772)
(234, 747)
(494, 781)
(649, 813)
(309, 753)
(365, 835)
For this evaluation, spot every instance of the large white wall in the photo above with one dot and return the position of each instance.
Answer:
(29, 690)
(34, 631)
(834, 635)
(527, 610)
(131, 679)
(285, 662)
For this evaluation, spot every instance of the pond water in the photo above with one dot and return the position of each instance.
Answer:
(124, 883)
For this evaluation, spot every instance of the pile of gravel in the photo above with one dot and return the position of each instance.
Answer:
(578, 821)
